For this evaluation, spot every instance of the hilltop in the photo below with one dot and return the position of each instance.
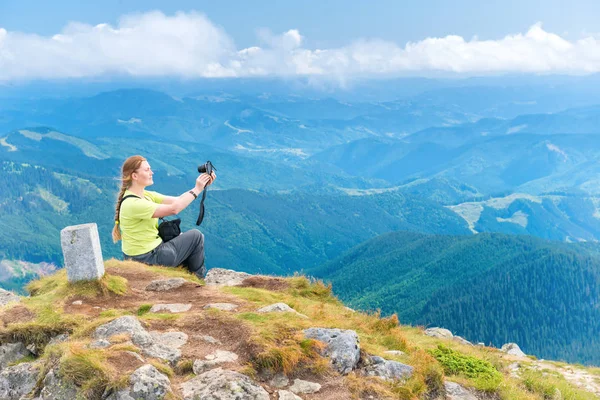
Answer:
(154, 333)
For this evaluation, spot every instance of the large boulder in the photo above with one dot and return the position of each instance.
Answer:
(224, 277)
(146, 383)
(439, 333)
(12, 352)
(513, 349)
(55, 388)
(139, 336)
(343, 348)
(456, 392)
(387, 369)
(18, 380)
(220, 384)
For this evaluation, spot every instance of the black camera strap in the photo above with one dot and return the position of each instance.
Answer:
(201, 213)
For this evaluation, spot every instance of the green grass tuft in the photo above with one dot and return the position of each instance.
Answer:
(144, 309)
(483, 374)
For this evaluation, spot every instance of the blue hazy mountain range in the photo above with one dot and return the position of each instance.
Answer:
(307, 176)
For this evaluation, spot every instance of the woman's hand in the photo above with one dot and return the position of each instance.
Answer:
(202, 181)
(213, 176)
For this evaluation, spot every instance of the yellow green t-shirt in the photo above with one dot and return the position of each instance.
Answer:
(139, 231)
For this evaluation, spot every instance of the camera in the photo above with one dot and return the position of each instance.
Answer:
(207, 167)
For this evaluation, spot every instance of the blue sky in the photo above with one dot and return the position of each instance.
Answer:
(326, 38)
(326, 23)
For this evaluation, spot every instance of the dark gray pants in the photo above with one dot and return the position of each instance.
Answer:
(186, 249)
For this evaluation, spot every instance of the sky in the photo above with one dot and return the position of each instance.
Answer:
(333, 39)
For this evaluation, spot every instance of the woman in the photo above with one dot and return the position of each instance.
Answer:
(137, 218)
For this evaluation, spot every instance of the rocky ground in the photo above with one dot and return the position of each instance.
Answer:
(167, 336)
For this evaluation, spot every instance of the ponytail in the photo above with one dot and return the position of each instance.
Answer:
(116, 232)
(129, 167)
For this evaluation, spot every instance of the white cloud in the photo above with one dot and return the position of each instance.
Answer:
(190, 45)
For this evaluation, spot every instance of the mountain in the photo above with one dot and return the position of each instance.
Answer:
(122, 336)
(257, 231)
(489, 288)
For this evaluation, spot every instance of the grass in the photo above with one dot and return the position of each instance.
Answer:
(484, 375)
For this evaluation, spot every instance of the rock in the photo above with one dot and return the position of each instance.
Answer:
(224, 277)
(63, 337)
(280, 307)
(212, 360)
(139, 336)
(125, 325)
(163, 285)
(7, 297)
(170, 354)
(395, 352)
(220, 384)
(343, 347)
(55, 388)
(287, 395)
(12, 352)
(306, 387)
(173, 308)
(456, 392)
(18, 380)
(513, 349)
(148, 383)
(279, 381)
(99, 344)
(439, 333)
(462, 340)
(221, 306)
(387, 369)
(170, 339)
(82, 253)
(208, 339)
(77, 303)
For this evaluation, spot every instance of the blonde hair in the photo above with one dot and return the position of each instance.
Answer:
(129, 167)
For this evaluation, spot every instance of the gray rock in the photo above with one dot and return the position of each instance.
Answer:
(125, 325)
(82, 253)
(395, 352)
(7, 297)
(287, 395)
(387, 369)
(513, 349)
(439, 333)
(220, 384)
(280, 307)
(279, 381)
(224, 277)
(77, 303)
(17, 381)
(12, 352)
(148, 383)
(63, 337)
(462, 340)
(163, 285)
(163, 352)
(172, 308)
(55, 388)
(306, 387)
(208, 339)
(343, 347)
(221, 306)
(170, 339)
(212, 360)
(139, 336)
(99, 344)
(456, 392)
